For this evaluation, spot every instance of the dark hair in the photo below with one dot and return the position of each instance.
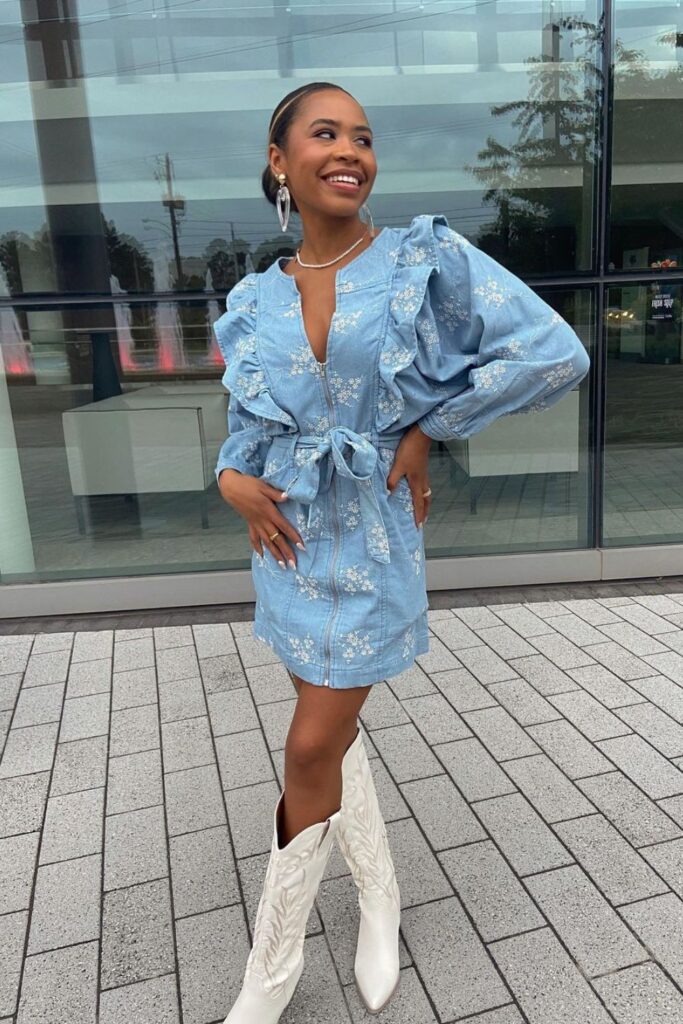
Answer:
(278, 129)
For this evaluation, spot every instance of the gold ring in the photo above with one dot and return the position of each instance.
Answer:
(425, 494)
(272, 536)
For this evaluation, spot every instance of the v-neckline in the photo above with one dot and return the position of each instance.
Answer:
(319, 363)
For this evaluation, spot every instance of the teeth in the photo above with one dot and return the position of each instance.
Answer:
(343, 177)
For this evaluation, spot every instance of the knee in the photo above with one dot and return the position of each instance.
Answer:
(309, 752)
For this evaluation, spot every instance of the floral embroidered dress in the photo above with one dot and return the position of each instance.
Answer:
(427, 329)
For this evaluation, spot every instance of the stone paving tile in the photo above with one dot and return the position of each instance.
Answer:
(451, 959)
(490, 891)
(545, 980)
(473, 770)
(543, 674)
(641, 993)
(615, 867)
(22, 803)
(154, 1001)
(659, 923)
(96, 643)
(606, 687)
(521, 834)
(635, 815)
(137, 934)
(441, 812)
(588, 715)
(500, 734)
(530, 762)
(591, 930)
(435, 719)
(523, 702)
(61, 985)
(462, 690)
(573, 754)
(548, 789)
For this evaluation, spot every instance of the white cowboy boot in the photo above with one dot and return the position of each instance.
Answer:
(363, 840)
(276, 958)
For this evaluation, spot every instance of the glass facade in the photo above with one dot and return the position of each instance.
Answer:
(132, 141)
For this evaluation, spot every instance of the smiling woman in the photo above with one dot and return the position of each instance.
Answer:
(342, 367)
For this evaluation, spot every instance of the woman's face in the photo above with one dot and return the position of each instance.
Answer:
(329, 134)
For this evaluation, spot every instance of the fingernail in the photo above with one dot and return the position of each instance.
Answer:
(292, 563)
(420, 525)
(281, 564)
(300, 545)
(284, 494)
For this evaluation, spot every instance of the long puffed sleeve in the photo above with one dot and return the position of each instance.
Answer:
(251, 410)
(487, 342)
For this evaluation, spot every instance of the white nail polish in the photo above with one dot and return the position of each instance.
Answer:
(292, 563)
(300, 545)
(281, 564)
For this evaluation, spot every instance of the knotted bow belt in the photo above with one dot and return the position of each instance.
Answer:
(314, 475)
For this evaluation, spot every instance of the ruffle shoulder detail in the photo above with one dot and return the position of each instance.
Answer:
(417, 258)
(237, 336)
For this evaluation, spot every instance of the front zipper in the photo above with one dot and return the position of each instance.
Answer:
(333, 582)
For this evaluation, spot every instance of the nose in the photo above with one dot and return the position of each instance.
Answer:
(344, 148)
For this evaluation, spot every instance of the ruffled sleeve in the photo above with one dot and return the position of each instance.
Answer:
(486, 345)
(252, 413)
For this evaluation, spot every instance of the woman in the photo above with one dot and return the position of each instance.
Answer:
(343, 363)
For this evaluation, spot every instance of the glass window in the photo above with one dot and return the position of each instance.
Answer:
(134, 137)
(643, 501)
(647, 151)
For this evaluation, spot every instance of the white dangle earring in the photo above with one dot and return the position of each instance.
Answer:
(368, 217)
(283, 202)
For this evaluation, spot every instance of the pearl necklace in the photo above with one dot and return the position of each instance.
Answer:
(319, 266)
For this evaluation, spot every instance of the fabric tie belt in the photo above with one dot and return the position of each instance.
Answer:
(314, 475)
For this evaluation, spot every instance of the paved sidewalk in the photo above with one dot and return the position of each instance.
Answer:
(529, 769)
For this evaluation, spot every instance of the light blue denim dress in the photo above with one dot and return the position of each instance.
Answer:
(427, 329)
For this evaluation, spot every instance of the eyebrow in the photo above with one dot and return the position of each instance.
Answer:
(335, 124)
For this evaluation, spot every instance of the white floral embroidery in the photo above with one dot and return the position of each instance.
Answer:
(407, 301)
(309, 532)
(451, 312)
(303, 455)
(490, 376)
(342, 321)
(245, 345)
(408, 642)
(303, 649)
(428, 332)
(493, 292)
(388, 404)
(252, 385)
(404, 496)
(303, 361)
(379, 538)
(559, 375)
(309, 587)
(320, 425)
(350, 514)
(346, 286)
(395, 358)
(512, 350)
(355, 645)
(417, 561)
(292, 310)
(356, 578)
(450, 418)
(454, 242)
(345, 389)
(415, 256)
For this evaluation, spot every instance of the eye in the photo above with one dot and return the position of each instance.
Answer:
(328, 131)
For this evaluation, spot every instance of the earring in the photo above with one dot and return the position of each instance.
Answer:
(283, 202)
(368, 217)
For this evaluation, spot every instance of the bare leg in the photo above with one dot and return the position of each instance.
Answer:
(323, 726)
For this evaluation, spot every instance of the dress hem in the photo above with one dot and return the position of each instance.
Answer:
(361, 677)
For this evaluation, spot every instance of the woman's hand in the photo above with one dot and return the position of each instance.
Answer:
(412, 461)
(254, 499)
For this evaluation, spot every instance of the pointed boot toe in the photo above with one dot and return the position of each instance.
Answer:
(377, 968)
